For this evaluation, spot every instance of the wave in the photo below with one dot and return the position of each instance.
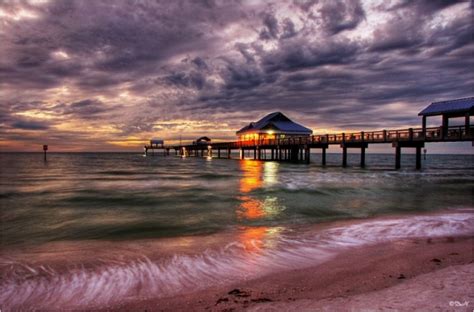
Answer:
(25, 286)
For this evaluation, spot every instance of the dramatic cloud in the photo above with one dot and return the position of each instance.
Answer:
(111, 74)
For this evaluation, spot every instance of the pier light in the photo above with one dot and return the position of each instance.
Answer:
(209, 147)
(270, 132)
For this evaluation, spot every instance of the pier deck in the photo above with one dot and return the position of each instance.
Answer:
(298, 148)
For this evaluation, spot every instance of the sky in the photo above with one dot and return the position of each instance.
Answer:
(110, 75)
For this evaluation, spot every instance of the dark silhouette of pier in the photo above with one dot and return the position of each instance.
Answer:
(298, 149)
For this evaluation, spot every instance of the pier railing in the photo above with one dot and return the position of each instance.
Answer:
(297, 148)
(434, 134)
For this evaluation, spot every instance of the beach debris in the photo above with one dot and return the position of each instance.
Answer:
(401, 276)
(436, 260)
(239, 293)
(454, 254)
(220, 300)
(258, 300)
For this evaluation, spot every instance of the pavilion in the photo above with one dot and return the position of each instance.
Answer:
(272, 126)
(449, 109)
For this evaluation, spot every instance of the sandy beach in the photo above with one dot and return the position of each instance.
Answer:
(404, 275)
(394, 263)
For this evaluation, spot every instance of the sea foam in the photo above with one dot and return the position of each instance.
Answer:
(39, 286)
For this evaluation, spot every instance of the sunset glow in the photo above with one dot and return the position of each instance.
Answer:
(110, 75)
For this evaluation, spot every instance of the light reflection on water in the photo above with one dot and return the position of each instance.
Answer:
(255, 174)
(127, 196)
(104, 226)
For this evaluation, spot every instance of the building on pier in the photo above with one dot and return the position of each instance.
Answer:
(449, 109)
(203, 140)
(272, 126)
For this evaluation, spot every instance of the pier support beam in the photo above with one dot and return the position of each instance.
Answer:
(423, 126)
(228, 153)
(444, 132)
(344, 156)
(398, 157)
(294, 151)
(408, 144)
(242, 153)
(418, 157)
(323, 156)
(361, 145)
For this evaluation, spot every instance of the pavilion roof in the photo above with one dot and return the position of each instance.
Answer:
(460, 106)
(276, 121)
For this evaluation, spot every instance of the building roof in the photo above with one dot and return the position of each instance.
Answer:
(460, 106)
(278, 122)
(203, 138)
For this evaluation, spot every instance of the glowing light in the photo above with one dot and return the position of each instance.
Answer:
(18, 15)
(61, 55)
(270, 173)
(124, 94)
(37, 114)
(252, 238)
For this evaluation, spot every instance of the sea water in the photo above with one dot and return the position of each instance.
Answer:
(89, 229)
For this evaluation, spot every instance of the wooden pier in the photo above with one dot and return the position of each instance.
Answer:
(265, 145)
(297, 149)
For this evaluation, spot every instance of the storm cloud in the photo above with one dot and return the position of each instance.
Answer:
(115, 73)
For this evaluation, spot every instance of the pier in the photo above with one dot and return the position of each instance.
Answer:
(297, 148)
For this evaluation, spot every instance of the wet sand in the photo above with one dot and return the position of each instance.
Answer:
(333, 266)
(404, 275)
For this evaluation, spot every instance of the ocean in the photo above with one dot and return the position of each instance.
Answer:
(92, 229)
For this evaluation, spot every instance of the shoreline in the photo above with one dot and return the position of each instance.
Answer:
(357, 278)
(254, 269)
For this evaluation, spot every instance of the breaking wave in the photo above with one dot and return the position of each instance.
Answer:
(25, 285)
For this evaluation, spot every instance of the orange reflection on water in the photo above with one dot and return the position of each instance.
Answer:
(256, 174)
(250, 208)
(252, 179)
(252, 238)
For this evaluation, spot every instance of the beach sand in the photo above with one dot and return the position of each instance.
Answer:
(403, 275)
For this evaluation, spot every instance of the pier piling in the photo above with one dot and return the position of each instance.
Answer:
(297, 149)
(45, 149)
